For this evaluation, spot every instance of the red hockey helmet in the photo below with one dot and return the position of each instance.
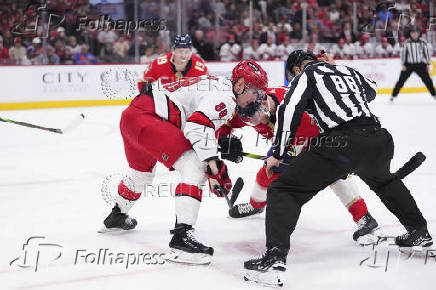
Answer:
(252, 73)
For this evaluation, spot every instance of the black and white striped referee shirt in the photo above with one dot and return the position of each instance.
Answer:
(415, 52)
(331, 94)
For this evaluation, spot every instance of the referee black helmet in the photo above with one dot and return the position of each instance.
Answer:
(295, 58)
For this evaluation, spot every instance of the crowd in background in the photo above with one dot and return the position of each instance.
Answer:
(277, 30)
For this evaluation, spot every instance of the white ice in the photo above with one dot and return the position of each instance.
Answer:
(50, 186)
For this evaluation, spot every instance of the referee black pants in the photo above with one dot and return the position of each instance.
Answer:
(421, 70)
(366, 151)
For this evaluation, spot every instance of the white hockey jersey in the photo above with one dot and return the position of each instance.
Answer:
(198, 106)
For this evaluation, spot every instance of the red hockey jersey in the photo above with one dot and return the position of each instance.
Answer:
(162, 68)
(307, 129)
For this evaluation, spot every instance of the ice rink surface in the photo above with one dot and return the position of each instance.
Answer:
(50, 192)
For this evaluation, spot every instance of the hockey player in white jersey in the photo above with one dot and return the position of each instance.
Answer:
(175, 125)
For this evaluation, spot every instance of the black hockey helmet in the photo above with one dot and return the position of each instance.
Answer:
(183, 41)
(295, 58)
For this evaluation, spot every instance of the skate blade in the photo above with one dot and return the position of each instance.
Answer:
(179, 256)
(268, 279)
(104, 230)
(373, 238)
(420, 250)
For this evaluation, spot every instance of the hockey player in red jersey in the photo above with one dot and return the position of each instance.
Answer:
(175, 125)
(178, 64)
(261, 117)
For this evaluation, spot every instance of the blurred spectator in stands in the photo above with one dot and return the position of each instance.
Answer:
(142, 45)
(230, 51)
(268, 50)
(342, 50)
(231, 14)
(52, 57)
(107, 36)
(347, 33)
(18, 53)
(148, 56)
(162, 49)
(314, 45)
(107, 55)
(73, 46)
(284, 26)
(389, 32)
(398, 46)
(4, 52)
(84, 56)
(33, 55)
(205, 21)
(8, 39)
(284, 49)
(204, 49)
(384, 49)
(59, 47)
(121, 46)
(333, 13)
(363, 48)
(36, 44)
(68, 56)
(297, 32)
(34, 50)
(269, 31)
(384, 14)
(252, 51)
(60, 34)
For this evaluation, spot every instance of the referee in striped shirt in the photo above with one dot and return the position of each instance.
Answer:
(351, 141)
(415, 57)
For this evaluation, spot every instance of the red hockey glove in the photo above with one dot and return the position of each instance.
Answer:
(219, 180)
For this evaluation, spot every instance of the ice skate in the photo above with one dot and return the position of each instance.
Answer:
(185, 248)
(414, 241)
(117, 221)
(267, 269)
(367, 232)
(244, 210)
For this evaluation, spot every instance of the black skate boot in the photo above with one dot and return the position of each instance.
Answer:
(366, 230)
(415, 239)
(185, 248)
(117, 220)
(244, 210)
(265, 270)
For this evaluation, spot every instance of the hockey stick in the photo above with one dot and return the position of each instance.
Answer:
(237, 187)
(254, 156)
(250, 155)
(74, 123)
(410, 165)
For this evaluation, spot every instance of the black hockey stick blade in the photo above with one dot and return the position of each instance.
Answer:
(237, 188)
(410, 165)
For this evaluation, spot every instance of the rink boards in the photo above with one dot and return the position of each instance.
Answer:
(29, 87)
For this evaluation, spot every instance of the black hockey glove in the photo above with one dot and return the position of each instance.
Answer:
(231, 148)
